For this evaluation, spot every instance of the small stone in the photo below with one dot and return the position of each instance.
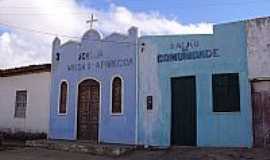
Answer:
(116, 152)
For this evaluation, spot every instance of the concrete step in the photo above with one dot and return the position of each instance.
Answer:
(81, 147)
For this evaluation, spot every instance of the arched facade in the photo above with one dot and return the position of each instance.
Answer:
(97, 60)
(88, 110)
(117, 95)
(63, 98)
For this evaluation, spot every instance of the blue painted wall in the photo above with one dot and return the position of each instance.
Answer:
(112, 128)
(230, 129)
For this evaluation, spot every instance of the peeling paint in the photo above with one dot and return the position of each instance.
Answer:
(213, 129)
(258, 47)
(261, 112)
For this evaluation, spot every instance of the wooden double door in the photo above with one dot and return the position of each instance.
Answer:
(88, 110)
(184, 117)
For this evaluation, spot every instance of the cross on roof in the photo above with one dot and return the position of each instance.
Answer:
(91, 21)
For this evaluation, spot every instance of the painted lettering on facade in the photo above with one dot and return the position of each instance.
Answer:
(181, 56)
(90, 60)
(89, 55)
(185, 46)
(185, 53)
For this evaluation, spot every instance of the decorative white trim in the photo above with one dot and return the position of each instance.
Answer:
(122, 95)
(76, 105)
(137, 92)
(59, 98)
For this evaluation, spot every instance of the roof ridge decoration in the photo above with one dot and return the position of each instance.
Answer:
(93, 35)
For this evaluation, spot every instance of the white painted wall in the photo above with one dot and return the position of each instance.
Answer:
(38, 100)
(258, 41)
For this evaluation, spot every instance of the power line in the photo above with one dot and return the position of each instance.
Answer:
(37, 14)
(175, 4)
(183, 5)
(67, 13)
(38, 31)
(218, 4)
(59, 35)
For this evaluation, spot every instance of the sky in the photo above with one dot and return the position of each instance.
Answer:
(28, 27)
(193, 11)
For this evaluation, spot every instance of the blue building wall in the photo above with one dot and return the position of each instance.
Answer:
(231, 129)
(112, 128)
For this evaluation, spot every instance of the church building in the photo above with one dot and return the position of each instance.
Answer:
(93, 93)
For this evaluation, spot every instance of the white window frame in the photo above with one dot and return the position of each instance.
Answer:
(59, 98)
(122, 95)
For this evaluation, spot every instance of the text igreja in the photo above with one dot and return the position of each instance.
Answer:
(102, 64)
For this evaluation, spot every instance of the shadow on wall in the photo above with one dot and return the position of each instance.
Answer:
(21, 136)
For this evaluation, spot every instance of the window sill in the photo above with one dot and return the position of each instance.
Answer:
(61, 114)
(227, 113)
(19, 117)
(117, 114)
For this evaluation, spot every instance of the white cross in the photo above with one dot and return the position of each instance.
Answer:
(91, 21)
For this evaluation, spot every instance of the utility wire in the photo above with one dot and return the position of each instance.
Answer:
(37, 14)
(37, 31)
(59, 35)
(198, 5)
(174, 4)
(183, 7)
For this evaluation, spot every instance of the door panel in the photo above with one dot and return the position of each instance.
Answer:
(88, 110)
(261, 120)
(184, 117)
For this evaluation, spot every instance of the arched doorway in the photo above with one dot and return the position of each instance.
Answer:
(88, 110)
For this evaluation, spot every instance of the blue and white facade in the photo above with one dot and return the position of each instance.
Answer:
(224, 51)
(146, 66)
(98, 59)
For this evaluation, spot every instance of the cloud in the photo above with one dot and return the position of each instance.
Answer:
(19, 47)
(148, 23)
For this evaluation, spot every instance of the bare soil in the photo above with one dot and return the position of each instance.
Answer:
(175, 153)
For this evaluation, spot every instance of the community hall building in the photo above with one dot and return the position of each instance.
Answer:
(186, 90)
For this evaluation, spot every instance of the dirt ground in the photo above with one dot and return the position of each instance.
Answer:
(175, 153)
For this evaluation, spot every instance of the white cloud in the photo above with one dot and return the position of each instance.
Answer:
(18, 47)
